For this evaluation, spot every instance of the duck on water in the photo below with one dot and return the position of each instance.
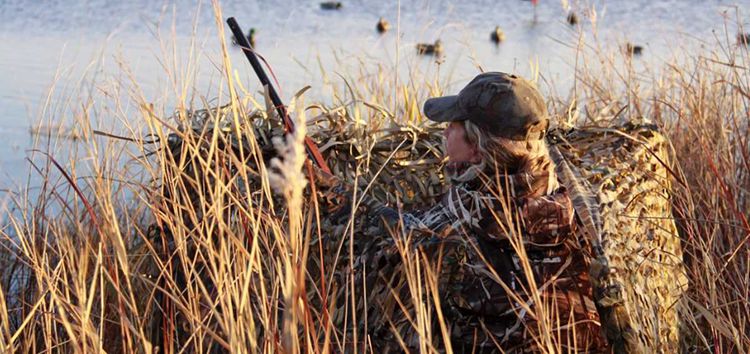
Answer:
(430, 49)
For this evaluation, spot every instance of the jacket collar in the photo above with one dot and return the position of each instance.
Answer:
(480, 177)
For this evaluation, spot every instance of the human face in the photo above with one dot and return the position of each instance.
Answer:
(457, 146)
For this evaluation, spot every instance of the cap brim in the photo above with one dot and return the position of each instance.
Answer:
(443, 109)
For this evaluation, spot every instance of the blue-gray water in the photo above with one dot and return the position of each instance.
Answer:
(51, 51)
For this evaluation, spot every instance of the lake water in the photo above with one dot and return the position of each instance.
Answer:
(52, 51)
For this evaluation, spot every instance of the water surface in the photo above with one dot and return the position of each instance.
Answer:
(55, 54)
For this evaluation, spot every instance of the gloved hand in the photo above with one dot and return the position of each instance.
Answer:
(324, 180)
(334, 194)
(335, 197)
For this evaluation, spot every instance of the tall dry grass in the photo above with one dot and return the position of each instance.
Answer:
(702, 104)
(200, 244)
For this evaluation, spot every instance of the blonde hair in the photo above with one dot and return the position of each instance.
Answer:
(512, 156)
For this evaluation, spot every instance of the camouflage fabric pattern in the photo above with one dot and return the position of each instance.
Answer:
(637, 275)
(484, 291)
(637, 272)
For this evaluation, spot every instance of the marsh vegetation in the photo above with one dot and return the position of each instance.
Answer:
(187, 237)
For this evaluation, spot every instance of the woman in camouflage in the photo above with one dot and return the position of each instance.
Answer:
(511, 274)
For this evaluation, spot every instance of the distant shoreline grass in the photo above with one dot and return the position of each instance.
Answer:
(203, 245)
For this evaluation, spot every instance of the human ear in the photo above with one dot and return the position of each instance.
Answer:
(476, 156)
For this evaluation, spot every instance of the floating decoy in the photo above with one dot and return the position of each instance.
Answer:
(383, 25)
(497, 35)
(56, 131)
(430, 49)
(330, 5)
(572, 18)
(632, 49)
(743, 39)
(251, 37)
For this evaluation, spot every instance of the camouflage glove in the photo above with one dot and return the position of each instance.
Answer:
(336, 198)
(334, 194)
(324, 180)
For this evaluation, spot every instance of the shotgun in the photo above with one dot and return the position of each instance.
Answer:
(312, 149)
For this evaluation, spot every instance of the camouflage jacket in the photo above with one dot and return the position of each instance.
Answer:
(503, 244)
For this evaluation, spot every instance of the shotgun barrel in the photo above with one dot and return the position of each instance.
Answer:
(312, 149)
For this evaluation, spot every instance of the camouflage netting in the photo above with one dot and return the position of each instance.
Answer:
(410, 155)
(638, 276)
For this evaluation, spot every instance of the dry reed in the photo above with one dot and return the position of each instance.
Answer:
(215, 248)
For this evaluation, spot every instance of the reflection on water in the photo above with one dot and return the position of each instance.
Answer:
(62, 47)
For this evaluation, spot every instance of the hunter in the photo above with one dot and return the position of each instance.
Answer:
(512, 274)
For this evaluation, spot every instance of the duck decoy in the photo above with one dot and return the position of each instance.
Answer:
(251, 37)
(497, 35)
(430, 49)
(743, 39)
(632, 49)
(330, 5)
(572, 18)
(383, 25)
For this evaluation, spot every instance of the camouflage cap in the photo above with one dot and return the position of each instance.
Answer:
(504, 104)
